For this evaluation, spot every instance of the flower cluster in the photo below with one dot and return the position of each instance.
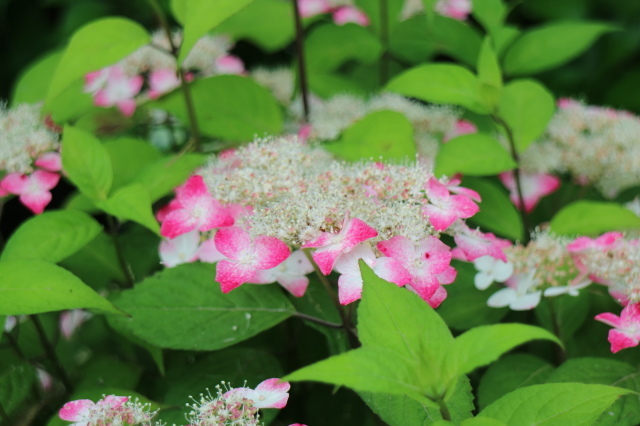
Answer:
(596, 145)
(153, 64)
(248, 208)
(29, 158)
(110, 410)
(456, 9)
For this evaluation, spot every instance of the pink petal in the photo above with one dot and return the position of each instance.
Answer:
(179, 250)
(399, 247)
(127, 107)
(474, 244)
(176, 223)
(435, 254)
(76, 410)
(349, 14)
(272, 393)
(113, 401)
(439, 218)
(456, 9)
(448, 276)
(231, 274)
(297, 286)
(14, 183)
(43, 180)
(349, 288)
(620, 340)
(164, 211)
(425, 286)
(207, 252)
(233, 242)
(391, 270)
(71, 320)
(534, 187)
(438, 297)
(436, 190)
(463, 206)
(269, 252)
(309, 8)
(229, 64)
(161, 82)
(50, 161)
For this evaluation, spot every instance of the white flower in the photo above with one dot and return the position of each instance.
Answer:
(491, 269)
(520, 295)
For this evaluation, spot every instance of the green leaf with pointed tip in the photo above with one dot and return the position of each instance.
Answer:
(35, 286)
(164, 175)
(128, 157)
(490, 13)
(551, 45)
(33, 83)
(489, 74)
(527, 107)
(183, 308)
(201, 16)
(440, 83)
(558, 404)
(87, 163)
(132, 202)
(51, 236)
(385, 134)
(94, 46)
(475, 154)
(593, 218)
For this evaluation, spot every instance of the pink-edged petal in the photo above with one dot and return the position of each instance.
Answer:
(229, 64)
(438, 297)
(176, 223)
(36, 201)
(192, 191)
(50, 161)
(309, 8)
(161, 82)
(436, 190)
(113, 401)
(14, 183)
(269, 252)
(71, 320)
(610, 319)
(448, 276)
(398, 247)
(75, 411)
(207, 252)
(231, 275)
(347, 263)
(43, 180)
(439, 217)
(127, 107)
(297, 286)
(349, 14)
(424, 286)
(164, 211)
(233, 242)
(102, 98)
(475, 244)
(179, 250)
(272, 393)
(349, 288)
(391, 270)
(463, 206)
(620, 340)
(435, 254)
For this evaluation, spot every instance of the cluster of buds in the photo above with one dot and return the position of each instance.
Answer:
(29, 158)
(110, 410)
(120, 84)
(249, 208)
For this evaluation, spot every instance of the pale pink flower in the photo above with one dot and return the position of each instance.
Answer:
(229, 64)
(443, 208)
(33, 189)
(472, 244)
(534, 187)
(521, 293)
(245, 257)
(290, 274)
(626, 331)
(181, 249)
(489, 270)
(309, 8)
(329, 246)
(71, 320)
(97, 80)
(162, 81)
(462, 127)
(453, 185)
(350, 280)
(350, 14)
(207, 252)
(45, 379)
(49, 161)
(120, 91)
(194, 208)
(427, 264)
(271, 393)
(456, 9)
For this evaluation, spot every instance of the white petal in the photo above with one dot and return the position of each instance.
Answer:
(484, 263)
(482, 280)
(502, 298)
(502, 271)
(526, 302)
(556, 291)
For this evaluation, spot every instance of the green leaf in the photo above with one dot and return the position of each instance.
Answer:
(561, 404)
(87, 163)
(440, 83)
(33, 83)
(164, 175)
(106, 371)
(551, 45)
(16, 380)
(593, 218)
(96, 45)
(385, 134)
(490, 13)
(482, 345)
(128, 157)
(132, 202)
(266, 23)
(230, 107)
(454, 38)
(475, 154)
(34, 286)
(497, 213)
(564, 314)
(410, 41)
(482, 421)
(511, 372)
(527, 107)
(183, 308)
(329, 46)
(202, 16)
(51, 236)
(489, 74)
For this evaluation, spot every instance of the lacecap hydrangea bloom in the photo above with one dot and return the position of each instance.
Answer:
(110, 410)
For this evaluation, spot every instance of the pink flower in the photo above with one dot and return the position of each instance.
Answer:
(271, 393)
(462, 127)
(472, 244)
(71, 320)
(534, 187)
(245, 257)
(33, 189)
(626, 332)
(194, 208)
(443, 208)
(162, 81)
(580, 245)
(346, 14)
(428, 264)
(229, 64)
(456, 9)
(350, 282)
(309, 8)
(49, 161)
(207, 252)
(454, 187)
(290, 274)
(330, 246)
(119, 91)
(181, 249)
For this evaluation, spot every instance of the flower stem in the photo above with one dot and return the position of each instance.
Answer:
(518, 176)
(126, 270)
(194, 141)
(302, 69)
(317, 320)
(51, 353)
(384, 41)
(444, 410)
(561, 356)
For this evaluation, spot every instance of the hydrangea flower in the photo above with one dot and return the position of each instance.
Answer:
(443, 208)
(111, 410)
(626, 331)
(33, 189)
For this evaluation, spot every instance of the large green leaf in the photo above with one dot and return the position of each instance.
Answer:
(87, 163)
(183, 308)
(132, 202)
(558, 404)
(164, 175)
(440, 83)
(201, 16)
(551, 45)
(593, 218)
(489, 74)
(231, 107)
(34, 286)
(96, 45)
(490, 13)
(51, 236)
(454, 38)
(33, 83)
(128, 157)
(475, 154)
(527, 107)
(386, 134)
(16, 380)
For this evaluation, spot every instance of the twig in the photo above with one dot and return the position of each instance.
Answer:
(51, 353)
(302, 69)
(384, 41)
(317, 320)
(126, 270)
